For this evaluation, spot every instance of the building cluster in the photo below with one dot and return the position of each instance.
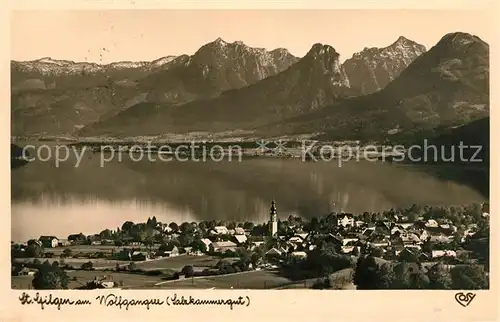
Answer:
(393, 239)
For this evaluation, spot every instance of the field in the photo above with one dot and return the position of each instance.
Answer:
(125, 279)
(98, 263)
(86, 249)
(256, 280)
(178, 262)
(340, 280)
(21, 282)
(244, 280)
(82, 277)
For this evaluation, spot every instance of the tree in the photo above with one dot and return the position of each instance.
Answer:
(314, 224)
(402, 276)
(419, 281)
(188, 270)
(225, 267)
(439, 277)
(106, 234)
(198, 245)
(185, 239)
(127, 226)
(366, 274)
(77, 237)
(428, 246)
(88, 266)
(55, 263)
(202, 226)
(258, 254)
(324, 260)
(366, 217)
(468, 277)
(282, 228)
(49, 277)
(67, 252)
(173, 226)
(245, 259)
(321, 284)
(187, 228)
(377, 252)
(387, 278)
(34, 249)
(248, 226)
(259, 230)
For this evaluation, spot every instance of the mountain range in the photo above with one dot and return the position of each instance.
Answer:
(225, 86)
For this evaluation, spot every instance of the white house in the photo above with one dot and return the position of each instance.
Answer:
(256, 244)
(431, 223)
(207, 242)
(223, 246)
(239, 231)
(240, 239)
(345, 220)
(441, 253)
(299, 254)
(359, 223)
(274, 252)
(49, 241)
(221, 230)
(347, 241)
(296, 240)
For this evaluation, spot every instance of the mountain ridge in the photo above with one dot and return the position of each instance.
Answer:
(445, 86)
(230, 86)
(59, 102)
(315, 80)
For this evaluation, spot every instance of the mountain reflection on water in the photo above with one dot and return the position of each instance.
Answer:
(90, 198)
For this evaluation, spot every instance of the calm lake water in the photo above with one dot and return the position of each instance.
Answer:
(47, 200)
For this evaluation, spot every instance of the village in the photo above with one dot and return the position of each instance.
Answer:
(282, 253)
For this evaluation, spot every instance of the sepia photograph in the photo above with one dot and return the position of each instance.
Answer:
(327, 150)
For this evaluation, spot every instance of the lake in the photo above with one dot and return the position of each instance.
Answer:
(50, 200)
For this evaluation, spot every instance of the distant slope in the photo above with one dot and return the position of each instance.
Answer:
(443, 147)
(474, 138)
(16, 156)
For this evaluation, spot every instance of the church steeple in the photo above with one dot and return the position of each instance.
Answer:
(272, 211)
(273, 220)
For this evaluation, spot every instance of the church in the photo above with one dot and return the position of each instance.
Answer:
(273, 221)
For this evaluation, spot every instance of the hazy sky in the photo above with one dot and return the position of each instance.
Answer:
(147, 35)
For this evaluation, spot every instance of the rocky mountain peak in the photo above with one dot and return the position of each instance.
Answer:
(219, 41)
(281, 51)
(373, 68)
(405, 44)
(320, 50)
(403, 40)
(460, 40)
(323, 61)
